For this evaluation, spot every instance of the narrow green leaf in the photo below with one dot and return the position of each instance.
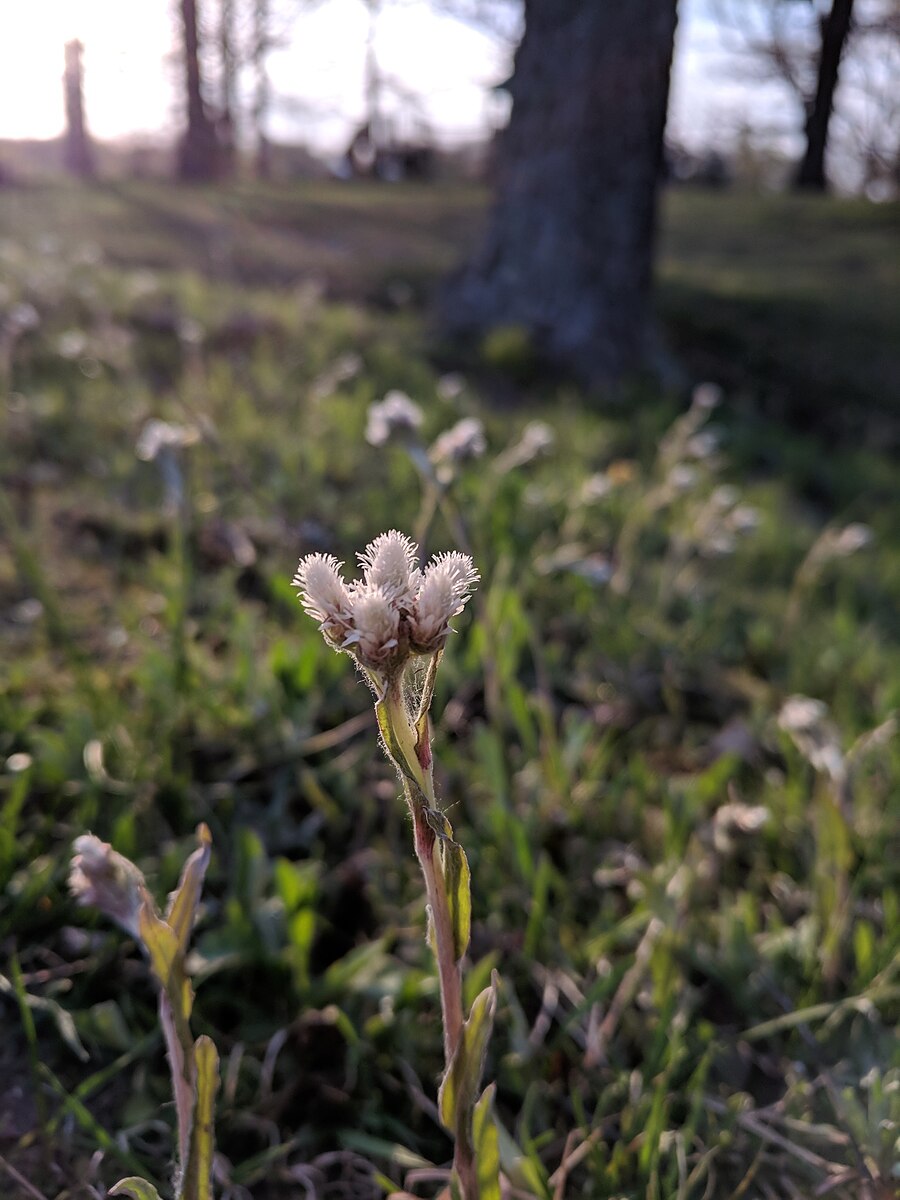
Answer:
(421, 723)
(138, 1189)
(455, 870)
(521, 1170)
(161, 943)
(396, 753)
(184, 901)
(456, 1099)
(197, 1181)
(486, 1141)
(29, 1003)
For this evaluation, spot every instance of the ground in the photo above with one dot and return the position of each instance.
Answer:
(685, 876)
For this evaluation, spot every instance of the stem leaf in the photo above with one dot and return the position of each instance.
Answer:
(184, 901)
(197, 1181)
(138, 1189)
(455, 871)
(486, 1141)
(456, 1099)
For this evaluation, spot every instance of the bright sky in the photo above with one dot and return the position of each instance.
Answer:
(131, 75)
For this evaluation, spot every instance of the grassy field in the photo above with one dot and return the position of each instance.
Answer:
(685, 874)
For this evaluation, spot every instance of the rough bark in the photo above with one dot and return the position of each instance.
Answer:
(78, 154)
(835, 28)
(568, 253)
(198, 151)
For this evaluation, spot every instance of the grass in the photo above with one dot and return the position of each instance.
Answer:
(695, 925)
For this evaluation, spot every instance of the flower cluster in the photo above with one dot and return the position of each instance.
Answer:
(396, 609)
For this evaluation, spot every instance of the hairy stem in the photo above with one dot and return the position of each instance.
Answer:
(449, 974)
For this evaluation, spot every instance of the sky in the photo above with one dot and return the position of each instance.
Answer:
(131, 74)
(443, 67)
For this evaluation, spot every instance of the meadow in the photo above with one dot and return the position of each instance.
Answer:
(665, 732)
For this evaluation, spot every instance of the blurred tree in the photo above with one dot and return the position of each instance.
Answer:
(568, 252)
(834, 27)
(229, 63)
(808, 45)
(198, 150)
(263, 42)
(78, 154)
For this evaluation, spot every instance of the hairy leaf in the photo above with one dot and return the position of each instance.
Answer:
(138, 1189)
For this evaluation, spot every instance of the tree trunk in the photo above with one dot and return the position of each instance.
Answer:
(569, 249)
(835, 27)
(228, 66)
(262, 95)
(78, 154)
(198, 157)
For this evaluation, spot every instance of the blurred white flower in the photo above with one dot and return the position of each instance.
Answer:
(703, 445)
(463, 441)
(535, 439)
(21, 318)
(595, 488)
(449, 387)
(743, 518)
(707, 396)
(682, 477)
(396, 413)
(725, 496)
(852, 538)
(72, 344)
(157, 436)
(807, 723)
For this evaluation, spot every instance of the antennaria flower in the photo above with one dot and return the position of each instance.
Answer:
(384, 620)
(446, 586)
(395, 609)
(390, 563)
(376, 621)
(323, 595)
(396, 413)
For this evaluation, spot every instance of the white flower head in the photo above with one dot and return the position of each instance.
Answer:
(446, 586)
(391, 563)
(395, 609)
(852, 538)
(324, 595)
(462, 441)
(707, 396)
(158, 437)
(396, 413)
(101, 877)
(376, 624)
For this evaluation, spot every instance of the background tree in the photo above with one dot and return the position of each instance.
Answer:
(198, 149)
(229, 64)
(834, 27)
(78, 154)
(811, 46)
(569, 248)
